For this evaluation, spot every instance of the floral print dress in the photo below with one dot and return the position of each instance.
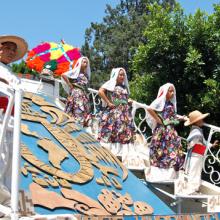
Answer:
(165, 148)
(77, 104)
(116, 124)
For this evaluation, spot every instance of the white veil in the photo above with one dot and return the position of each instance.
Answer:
(111, 83)
(159, 103)
(74, 73)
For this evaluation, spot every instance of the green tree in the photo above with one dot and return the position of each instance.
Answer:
(113, 42)
(183, 50)
(22, 68)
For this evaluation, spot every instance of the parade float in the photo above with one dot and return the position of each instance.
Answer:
(60, 171)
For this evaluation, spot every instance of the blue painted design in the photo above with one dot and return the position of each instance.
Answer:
(133, 186)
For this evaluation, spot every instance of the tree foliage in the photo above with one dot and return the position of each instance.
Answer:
(157, 43)
(184, 50)
(113, 42)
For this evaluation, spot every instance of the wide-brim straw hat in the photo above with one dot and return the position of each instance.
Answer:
(194, 117)
(22, 45)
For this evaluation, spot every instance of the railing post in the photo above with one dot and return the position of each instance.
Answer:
(16, 155)
(5, 89)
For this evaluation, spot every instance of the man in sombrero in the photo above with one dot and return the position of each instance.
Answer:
(12, 48)
(196, 150)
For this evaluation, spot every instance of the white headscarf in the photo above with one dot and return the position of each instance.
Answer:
(159, 103)
(74, 73)
(110, 84)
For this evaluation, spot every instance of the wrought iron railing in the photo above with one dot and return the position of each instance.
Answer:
(211, 166)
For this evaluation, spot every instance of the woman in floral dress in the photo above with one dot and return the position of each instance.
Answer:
(75, 82)
(116, 126)
(166, 155)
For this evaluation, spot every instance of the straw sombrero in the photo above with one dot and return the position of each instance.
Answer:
(22, 45)
(194, 117)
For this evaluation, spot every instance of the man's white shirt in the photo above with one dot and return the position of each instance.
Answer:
(8, 75)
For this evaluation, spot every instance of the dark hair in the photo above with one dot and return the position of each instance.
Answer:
(3, 43)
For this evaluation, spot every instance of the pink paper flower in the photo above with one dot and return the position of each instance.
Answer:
(62, 59)
(45, 57)
(74, 54)
(41, 48)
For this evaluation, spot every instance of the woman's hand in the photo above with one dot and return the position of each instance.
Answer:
(182, 117)
(130, 101)
(110, 105)
(70, 85)
(105, 98)
(155, 116)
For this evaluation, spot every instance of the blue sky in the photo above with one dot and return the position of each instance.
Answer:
(51, 20)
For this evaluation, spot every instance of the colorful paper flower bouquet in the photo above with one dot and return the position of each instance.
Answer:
(52, 59)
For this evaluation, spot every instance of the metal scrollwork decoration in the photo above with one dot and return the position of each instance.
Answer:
(211, 162)
(96, 100)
